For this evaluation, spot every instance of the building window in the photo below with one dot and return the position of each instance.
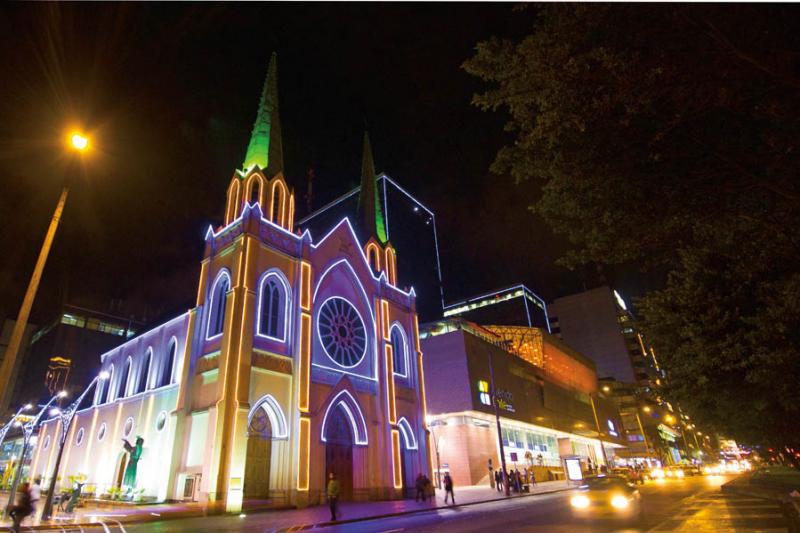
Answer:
(216, 316)
(101, 433)
(342, 333)
(122, 386)
(79, 437)
(102, 388)
(167, 370)
(483, 393)
(398, 351)
(161, 420)
(110, 394)
(127, 429)
(144, 368)
(273, 307)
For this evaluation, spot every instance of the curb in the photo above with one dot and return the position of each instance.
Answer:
(328, 523)
(302, 527)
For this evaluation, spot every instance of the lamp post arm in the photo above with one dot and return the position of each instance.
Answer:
(4, 431)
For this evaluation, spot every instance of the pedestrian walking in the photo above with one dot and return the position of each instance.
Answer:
(333, 495)
(22, 509)
(498, 481)
(430, 492)
(36, 493)
(420, 486)
(518, 480)
(448, 488)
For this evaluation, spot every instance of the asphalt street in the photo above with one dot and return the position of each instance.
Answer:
(693, 504)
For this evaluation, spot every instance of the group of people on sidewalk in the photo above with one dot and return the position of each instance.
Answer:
(27, 497)
(425, 491)
(516, 480)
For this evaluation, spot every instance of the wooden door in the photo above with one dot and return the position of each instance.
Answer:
(258, 458)
(339, 452)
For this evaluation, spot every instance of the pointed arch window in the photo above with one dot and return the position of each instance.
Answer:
(216, 315)
(398, 342)
(110, 390)
(141, 383)
(122, 386)
(102, 388)
(167, 369)
(273, 307)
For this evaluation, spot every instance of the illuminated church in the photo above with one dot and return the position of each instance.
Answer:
(300, 358)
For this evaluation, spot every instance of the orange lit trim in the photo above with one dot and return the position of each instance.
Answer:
(201, 286)
(305, 286)
(373, 254)
(421, 387)
(305, 453)
(390, 384)
(397, 467)
(277, 217)
(245, 276)
(248, 187)
(385, 318)
(238, 372)
(391, 266)
(234, 190)
(304, 361)
(416, 334)
(290, 222)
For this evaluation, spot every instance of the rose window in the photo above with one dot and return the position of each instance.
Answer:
(342, 332)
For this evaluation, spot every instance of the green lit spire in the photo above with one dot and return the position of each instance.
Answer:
(370, 212)
(266, 146)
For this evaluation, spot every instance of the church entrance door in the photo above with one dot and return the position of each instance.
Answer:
(259, 456)
(339, 452)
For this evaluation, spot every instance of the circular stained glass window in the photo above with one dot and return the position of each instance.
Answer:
(342, 332)
(128, 428)
(161, 420)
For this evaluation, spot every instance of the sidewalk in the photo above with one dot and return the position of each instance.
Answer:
(283, 519)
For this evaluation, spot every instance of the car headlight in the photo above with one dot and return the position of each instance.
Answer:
(620, 502)
(680, 473)
(579, 501)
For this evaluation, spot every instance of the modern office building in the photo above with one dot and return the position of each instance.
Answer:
(409, 225)
(66, 351)
(542, 418)
(300, 358)
(513, 306)
(599, 324)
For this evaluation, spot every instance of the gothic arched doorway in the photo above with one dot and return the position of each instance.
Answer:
(339, 450)
(259, 456)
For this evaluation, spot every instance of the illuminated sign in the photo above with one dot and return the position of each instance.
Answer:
(612, 430)
(574, 469)
(483, 393)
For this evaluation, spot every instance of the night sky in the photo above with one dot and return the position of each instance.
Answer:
(169, 92)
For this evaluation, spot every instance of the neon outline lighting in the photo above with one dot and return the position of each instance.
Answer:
(363, 354)
(397, 464)
(279, 213)
(247, 208)
(404, 342)
(303, 467)
(369, 307)
(372, 250)
(222, 273)
(110, 390)
(145, 371)
(346, 221)
(359, 431)
(408, 433)
(173, 341)
(233, 200)
(508, 293)
(275, 414)
(287, 298)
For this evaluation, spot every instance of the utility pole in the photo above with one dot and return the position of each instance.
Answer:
(499, 429)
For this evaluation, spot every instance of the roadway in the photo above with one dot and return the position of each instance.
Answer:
(693, 504)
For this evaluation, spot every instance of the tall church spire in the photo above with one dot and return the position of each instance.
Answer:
(370, 212)
(266, 145)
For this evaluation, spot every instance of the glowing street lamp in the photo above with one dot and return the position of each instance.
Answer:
(13, 422)
(78, 143)
(27, 432)
(67, 415)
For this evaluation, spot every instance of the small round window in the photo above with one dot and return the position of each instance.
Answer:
(79, 437)
(127, 429)
(46, 442)
(101, 433)
(161, 420)
(342, 332)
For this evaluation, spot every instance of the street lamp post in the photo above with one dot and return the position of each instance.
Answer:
(10, 424)
(499, 429)
(27, 433)
(79, 143)
(66, 416)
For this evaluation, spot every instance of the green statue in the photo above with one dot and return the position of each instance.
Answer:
(129, 480)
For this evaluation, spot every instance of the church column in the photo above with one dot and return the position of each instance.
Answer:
(303, 377)
(428, 466)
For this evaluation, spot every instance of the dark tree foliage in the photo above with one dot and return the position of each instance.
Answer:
(667, 135)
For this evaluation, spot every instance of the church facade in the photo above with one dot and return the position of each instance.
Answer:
(300, 358)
